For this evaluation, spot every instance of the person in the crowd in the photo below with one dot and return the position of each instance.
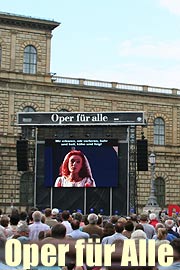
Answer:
(128, 229)
(22, 233)
(14, 211)
(114, 219)
(14, 220)
(75, 171)
(37, 226)
(169, 236)
(119, 228)
(58, 235)
(3, 237)
(66, 221)
(139, 227)
(148, 228)
(122, 220)
(56, 214)
(30, 213)
(5, 225)
(169, 224)
(85, 220)
(176, 250)
(153, 219)
(77, 233)
(162, 214)
(108, 229)
(177, 229)
(162, 237)
(78, 216)
(134, 219)
(43, 218)
(92, 227)
(100, 220)
(138, 234)
(48, 217)
(23, 217)
(58, 231)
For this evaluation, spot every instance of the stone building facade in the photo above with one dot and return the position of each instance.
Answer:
(26, 84)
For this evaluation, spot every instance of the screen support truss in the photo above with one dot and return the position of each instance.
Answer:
(132, 170)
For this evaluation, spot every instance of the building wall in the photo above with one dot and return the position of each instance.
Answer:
(18, 90)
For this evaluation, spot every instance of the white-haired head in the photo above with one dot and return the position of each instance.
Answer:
(92, 218)
(37, 215)
(138, 234)
(152, 216)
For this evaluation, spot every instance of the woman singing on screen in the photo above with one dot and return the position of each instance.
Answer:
(75, 171)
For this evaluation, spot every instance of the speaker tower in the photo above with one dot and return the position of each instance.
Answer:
(142, 155)
(22, 155)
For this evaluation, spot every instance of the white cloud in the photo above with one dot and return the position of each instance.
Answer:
(152, 76)
(172, 5)
(150, 49)
(134, 73)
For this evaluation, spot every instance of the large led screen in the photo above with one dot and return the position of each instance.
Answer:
(81, 163)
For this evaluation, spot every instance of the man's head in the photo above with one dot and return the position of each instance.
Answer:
(78, 216)
(129, 226)
(58, 231)
(23, 215)
(176, 248)
(169, 223)
(143, 217)
(119, 227)
(37, 215)
(133, 217)
(138, 234)
(75, 224)
(23, 229)
(152, 216)
(114, 219)
(65, 215)
(92, 218)
(54, 212)
(159, 225)
(47, 212)
(4, 221)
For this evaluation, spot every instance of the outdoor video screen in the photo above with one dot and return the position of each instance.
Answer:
(81, 163)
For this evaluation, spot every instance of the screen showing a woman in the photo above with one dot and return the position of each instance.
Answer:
(75, 171)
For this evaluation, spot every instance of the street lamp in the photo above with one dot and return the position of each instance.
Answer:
(152, 159)
(152, 201)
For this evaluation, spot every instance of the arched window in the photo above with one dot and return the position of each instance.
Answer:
(28, 132)
(159, 131)
(63, 110)
(29, 109)
(30, 60)
(160, 191)
(26, 189)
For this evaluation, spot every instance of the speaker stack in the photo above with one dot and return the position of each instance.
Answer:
(22, 155)
(142, 155)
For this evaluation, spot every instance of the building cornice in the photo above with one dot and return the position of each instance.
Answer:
(10, 19)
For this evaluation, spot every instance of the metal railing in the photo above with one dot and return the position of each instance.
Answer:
(115, 85)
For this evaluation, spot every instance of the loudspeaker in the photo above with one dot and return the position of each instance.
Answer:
(142, 155)
(22, 155)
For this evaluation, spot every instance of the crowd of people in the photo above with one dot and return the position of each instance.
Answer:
(52, 226)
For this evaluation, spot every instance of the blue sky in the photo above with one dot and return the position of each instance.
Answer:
(126, 41)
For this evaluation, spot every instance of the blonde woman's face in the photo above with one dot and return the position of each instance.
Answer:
(75, 164)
